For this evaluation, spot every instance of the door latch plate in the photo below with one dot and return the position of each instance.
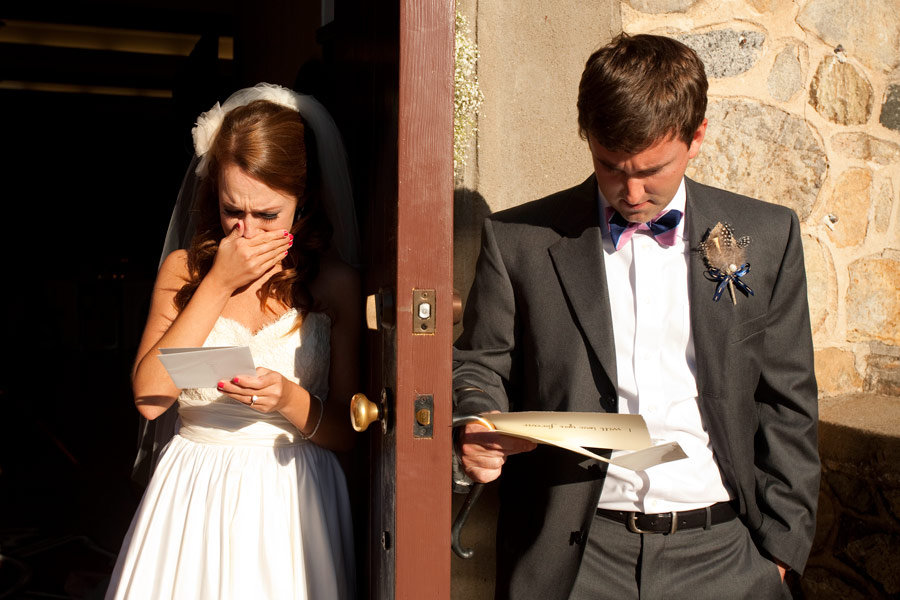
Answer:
(423, 309)
(423, 426)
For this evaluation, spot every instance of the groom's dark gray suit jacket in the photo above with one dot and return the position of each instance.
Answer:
(538, 336)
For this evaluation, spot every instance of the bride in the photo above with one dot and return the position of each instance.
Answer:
(248, 499)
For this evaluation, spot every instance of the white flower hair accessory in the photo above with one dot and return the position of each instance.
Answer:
(209, 123)
(207, 127)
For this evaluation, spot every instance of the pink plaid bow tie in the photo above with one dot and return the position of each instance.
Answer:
(663, 227)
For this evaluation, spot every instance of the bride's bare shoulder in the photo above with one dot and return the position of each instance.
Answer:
(174, 270)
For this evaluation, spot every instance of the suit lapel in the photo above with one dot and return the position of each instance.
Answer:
(710, 324)
(578, 259)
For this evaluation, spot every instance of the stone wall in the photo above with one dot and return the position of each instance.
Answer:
(805, 112)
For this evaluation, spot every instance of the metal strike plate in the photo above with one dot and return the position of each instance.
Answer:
(423, 427)
(423, 309)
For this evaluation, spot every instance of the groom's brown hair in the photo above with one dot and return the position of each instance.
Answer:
(639, 89)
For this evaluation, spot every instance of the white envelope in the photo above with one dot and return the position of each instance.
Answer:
(206, 367)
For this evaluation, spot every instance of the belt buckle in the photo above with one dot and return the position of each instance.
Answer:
(631, 523)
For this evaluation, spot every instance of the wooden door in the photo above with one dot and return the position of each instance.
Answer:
(393, 68)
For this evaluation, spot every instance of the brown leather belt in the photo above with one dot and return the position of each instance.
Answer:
(671, 522)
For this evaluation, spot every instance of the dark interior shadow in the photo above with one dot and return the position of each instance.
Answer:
(89, 182)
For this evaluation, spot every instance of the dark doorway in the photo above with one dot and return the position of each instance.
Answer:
(97, 100)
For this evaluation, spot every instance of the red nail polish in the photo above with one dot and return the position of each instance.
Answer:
(286, 233)
(235, 381)
(220, 385)
(291, 237)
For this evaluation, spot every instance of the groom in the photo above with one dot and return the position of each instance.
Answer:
(622, 295)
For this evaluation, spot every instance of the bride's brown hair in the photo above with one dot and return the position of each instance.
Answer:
(271, 144)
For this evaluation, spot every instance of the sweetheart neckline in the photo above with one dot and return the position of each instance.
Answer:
(277, 320)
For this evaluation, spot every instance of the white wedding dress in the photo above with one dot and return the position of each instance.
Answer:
(240, 507)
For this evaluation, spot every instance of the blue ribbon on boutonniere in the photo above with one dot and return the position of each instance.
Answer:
(725, 259)
(725, 278)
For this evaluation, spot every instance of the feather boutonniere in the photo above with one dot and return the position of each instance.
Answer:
(726, 260)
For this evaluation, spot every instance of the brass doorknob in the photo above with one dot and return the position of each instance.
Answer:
(363, 412)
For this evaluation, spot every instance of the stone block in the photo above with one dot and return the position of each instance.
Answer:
(851, 492)
(821, 282)
(824, 584)
(763, 152)
(890, 109)
(883, 200)
(840, 92)
(873, 304)
(762, 6)
(879, 555)
(836, 372)
(868, 29)
(826, 518)
(725, 52)
(657, 7)
(786, 77)
(883, 370)
(859, 434)
(850, 202)
(892, 501)
(865, 147)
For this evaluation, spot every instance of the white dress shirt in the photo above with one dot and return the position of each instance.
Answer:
(656, 370)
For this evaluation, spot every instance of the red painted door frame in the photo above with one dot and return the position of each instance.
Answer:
(392, 67)
(424, 261)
